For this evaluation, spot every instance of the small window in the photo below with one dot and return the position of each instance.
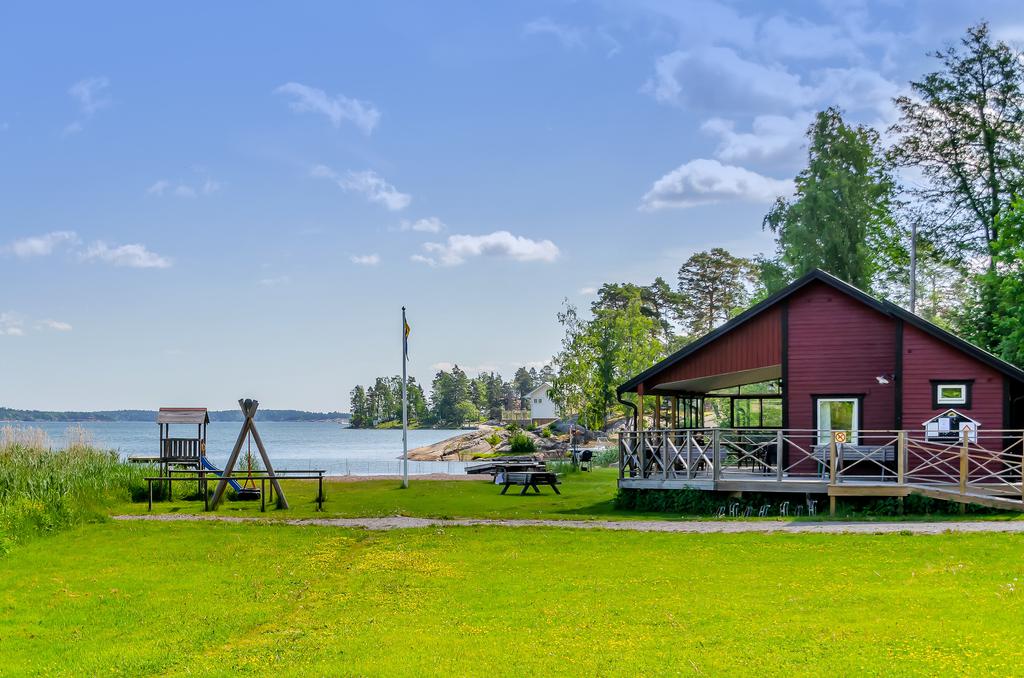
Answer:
(951, 394)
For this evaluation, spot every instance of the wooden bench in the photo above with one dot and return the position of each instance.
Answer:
(529, 479)
(848, 454)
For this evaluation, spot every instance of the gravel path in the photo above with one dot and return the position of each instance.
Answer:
(692, 526)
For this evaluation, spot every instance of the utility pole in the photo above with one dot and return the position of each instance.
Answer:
(913, 266)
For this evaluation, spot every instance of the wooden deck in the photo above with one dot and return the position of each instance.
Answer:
(986, 469)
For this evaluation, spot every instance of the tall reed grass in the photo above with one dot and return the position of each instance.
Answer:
(43, 490)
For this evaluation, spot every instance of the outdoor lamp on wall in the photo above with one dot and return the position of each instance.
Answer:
(883, 379)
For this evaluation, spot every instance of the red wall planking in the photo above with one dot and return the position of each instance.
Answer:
(838, 346)
(926, 358)
(754, 344)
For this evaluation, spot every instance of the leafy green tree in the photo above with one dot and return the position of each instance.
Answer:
(599, 354)
(841, 217)
(524, 383)
(1006, 282)
(713, 286)
(361, 417)
(963, 128)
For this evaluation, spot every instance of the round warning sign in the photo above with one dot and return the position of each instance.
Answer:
(839, 436)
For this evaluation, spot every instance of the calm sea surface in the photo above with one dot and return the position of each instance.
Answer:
(290, 444)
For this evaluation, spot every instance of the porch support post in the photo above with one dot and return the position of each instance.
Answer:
(778, 455)
(675, 412)
(901, 459)
(689, 454)
(664, 456)
(657, 413)
(716, 465)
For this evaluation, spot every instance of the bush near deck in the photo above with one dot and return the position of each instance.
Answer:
(215, 599)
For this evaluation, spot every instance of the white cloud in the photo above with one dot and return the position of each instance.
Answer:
(719, 79)
(182, 190)
(365, 259)
(803, 39)
(338, 109)
(502, 244)
(41, 245)
(588, 291)
(11, 325)
(276, 281)
(130, 256)
(574, 37)
(56, 325)
(369, 184)
(771, 138)
(569, 36)
(91, 94)
(426, 225)
(704, 182)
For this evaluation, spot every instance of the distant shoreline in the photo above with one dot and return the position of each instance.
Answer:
(13, 416)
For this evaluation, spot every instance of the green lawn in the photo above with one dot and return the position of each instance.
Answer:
(584, 495)
(215, 599)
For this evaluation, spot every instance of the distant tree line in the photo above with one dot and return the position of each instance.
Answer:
(8, 414)
(455, 398)
(961, 129)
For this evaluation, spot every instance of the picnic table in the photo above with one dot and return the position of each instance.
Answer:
(503, 465)
(528, 479)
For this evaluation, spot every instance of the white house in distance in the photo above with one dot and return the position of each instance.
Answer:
(542, 408)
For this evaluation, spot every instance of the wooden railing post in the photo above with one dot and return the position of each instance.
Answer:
(622, 454)
(716, 463)
(689, 454)
(901, 458)
(832, 479)
(963, 462)
(778, 455)
(642, 453)
(664, 455)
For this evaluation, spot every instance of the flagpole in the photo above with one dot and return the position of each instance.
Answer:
(405, 404)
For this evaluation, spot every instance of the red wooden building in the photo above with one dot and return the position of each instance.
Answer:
(823, 388)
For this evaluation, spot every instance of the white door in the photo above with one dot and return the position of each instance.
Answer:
(837, 414)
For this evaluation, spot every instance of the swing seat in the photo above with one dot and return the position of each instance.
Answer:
(247, 494)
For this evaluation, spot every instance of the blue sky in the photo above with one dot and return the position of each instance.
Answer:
(202, 201)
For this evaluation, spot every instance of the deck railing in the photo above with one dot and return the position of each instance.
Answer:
(984, 462)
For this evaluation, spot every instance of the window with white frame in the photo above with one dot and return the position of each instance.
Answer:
(951, 394)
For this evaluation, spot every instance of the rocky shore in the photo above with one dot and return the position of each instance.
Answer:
(463, 447)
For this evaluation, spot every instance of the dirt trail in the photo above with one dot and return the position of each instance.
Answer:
(686, 526)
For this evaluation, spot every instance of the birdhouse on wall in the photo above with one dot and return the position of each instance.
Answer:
(950, 426)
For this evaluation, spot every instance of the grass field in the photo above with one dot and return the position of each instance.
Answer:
(584, 495)
(213, 599)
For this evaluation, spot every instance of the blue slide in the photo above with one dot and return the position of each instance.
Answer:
(210, 467)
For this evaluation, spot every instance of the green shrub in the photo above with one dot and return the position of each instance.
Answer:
(512, 428)
(493, 440)
(545, 433)
(520, 443)
(44, 491)
(605, 458)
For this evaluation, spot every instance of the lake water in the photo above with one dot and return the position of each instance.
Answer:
(341, 451)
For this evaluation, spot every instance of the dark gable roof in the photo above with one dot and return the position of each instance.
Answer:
(886, 307)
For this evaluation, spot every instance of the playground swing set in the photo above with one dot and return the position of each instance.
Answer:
(184, 459)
